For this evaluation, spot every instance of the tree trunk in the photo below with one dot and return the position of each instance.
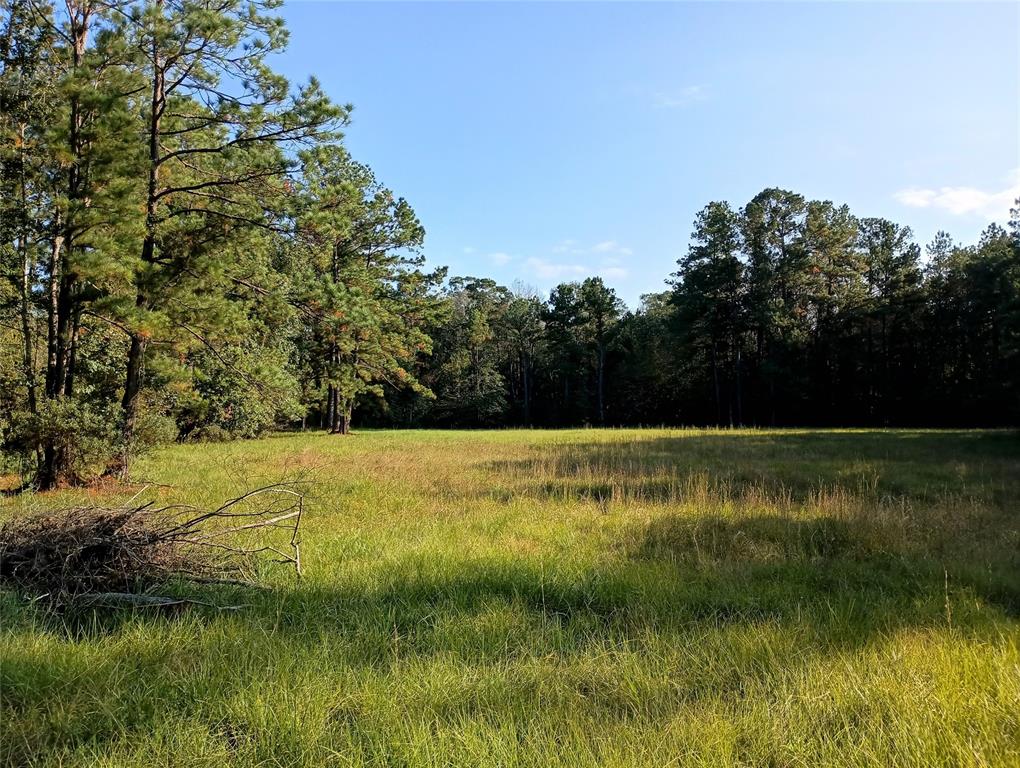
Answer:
(527, 390)
(566, 397)
(51, 314)
(884, 402)
(131, 400)
(601, 382)
(740, 400)
(54, 468)
(341, 409)
(54, 464)
(330, 408)
(772, 400)
(28, 357)
(346, 409)
(72, 355)
(27, 263)
(77, 181)
(139, 341)
(715, 382)
(65, 330)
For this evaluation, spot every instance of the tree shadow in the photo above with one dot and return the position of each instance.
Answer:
(829, 564)
(828, 558)
(798, 507)
(915, 463)
(674, 584)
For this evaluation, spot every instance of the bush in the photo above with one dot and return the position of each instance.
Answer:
(84, 435)
(210, 433)
(152, 430)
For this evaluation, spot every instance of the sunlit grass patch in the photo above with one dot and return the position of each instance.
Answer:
(616, 597)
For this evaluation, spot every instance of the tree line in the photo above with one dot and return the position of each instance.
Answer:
(784, 312)
(191, 252)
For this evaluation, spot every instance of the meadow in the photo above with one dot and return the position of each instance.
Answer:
(562, 598)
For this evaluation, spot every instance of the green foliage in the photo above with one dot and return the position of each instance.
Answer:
(82, 433)
(239, 400)
(469, 387)
(787, 311)
(710, 299)
(148, 167)
(154, 429)
(211, 433)
(184, 237)
(362, 296)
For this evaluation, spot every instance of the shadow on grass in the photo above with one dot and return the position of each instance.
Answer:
(895, 510)
(707, 584)
(822, 539)
(915, 464)
(941, 553)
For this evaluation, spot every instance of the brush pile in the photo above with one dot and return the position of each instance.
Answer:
(132, 550)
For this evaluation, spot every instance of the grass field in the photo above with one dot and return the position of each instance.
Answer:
(577, 598)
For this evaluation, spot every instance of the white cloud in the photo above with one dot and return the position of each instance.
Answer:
(611, 246)
(468, 249)
(550, 270)
(567, 260)
(553, 270)
(993, 206)
(568, 246)
(603, 258)
(913, 197)
(684, 97)
(604, 248)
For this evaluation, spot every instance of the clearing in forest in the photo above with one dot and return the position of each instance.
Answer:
(588, 597)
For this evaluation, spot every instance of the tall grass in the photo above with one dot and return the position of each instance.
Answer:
(600, 597)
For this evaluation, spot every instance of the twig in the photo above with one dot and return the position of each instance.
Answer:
(95, 550)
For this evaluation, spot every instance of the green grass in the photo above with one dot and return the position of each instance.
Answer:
(636, 597)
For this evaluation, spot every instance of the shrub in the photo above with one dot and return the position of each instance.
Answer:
(82, 434)
(210, 433)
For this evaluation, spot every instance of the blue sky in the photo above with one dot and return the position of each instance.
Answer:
(544, 142)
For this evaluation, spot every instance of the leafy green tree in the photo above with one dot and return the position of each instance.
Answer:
(470, 389)
(220, 131)
(26, 98)
(893, 277)
(992, 319)
(364, 296)
(836, 292)
(562, 318)
(650, 385)
(522, 331)
(709, 298)
(67, 138)
(599, 311)
(773, 236)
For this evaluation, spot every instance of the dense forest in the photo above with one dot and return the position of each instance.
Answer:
(786, 311)
(190, 253)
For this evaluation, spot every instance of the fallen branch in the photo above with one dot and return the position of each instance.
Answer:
(101, 551)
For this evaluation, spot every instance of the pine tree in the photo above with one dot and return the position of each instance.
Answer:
(708, 295)
(600, 310)
(219, 131)
(773, 227)
(363, 294)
